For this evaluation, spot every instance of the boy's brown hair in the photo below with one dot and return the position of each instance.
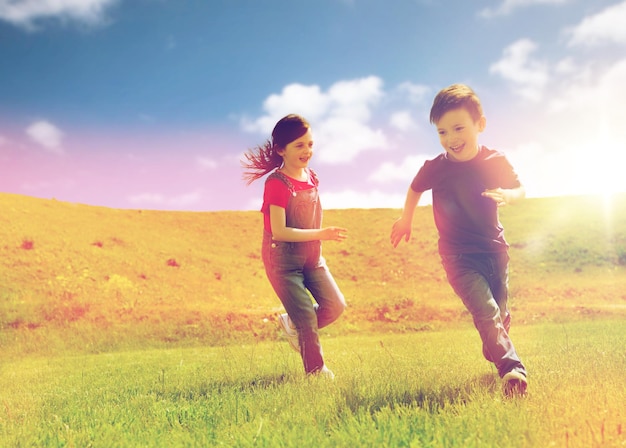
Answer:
(454, 97)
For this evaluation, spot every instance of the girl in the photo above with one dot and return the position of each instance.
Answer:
(292, 238)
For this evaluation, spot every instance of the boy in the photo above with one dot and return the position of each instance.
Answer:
(469, 182)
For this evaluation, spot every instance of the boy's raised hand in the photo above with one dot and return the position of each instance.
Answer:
(401, 229)
(497, 195)
(504, 196)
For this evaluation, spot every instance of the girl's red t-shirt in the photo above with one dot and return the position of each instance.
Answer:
(277, 193)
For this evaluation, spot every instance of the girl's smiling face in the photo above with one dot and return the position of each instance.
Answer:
(296, 155)
(458, 134)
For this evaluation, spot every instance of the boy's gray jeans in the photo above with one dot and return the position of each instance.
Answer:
(481, 281)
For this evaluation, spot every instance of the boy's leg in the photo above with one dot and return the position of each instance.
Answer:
(320, 282)
(469, 276)
(499, 284)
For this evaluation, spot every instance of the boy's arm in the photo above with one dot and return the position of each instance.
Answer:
(504, 196)
(402, 227)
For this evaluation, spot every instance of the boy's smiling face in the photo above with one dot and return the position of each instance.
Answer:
(458, 134)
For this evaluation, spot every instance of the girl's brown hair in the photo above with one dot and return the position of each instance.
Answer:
(265, 158)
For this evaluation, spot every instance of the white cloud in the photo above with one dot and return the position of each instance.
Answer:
(605, 27)
(404, 171)
(508, 6)
(25, 13)
(341, 139)
(578, 146)
(416, 93)
(579, 123)
(528, 76)
(47, 135)
(309, 101)
(598, 103)
(340, 117)
(355, 98)
(566, 67)
(361, 199)
(402, 121)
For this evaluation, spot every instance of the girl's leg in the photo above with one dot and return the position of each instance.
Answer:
(330, 300)
(295, 298)
(287, 267)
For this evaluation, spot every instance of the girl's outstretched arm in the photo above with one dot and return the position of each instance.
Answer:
(280, 231)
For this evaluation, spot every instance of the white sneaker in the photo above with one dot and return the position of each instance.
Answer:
(514, 384)
(290, 331)
(324, 373)
(327, 373)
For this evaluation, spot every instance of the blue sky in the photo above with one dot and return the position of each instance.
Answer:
(151, 103)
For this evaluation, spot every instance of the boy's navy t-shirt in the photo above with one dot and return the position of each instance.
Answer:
(467, 222)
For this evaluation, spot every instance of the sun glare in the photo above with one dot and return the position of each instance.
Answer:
(599, 170)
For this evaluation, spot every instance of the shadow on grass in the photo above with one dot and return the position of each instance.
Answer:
(223, 386)
(430, 399)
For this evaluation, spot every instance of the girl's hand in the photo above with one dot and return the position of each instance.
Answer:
(334, 233)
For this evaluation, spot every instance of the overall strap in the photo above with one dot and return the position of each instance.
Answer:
(313, 176)
(279, 175)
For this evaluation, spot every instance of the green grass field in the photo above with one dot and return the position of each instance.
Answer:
(391, 390)
(146, 328)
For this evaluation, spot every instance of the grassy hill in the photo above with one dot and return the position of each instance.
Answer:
(93, 279)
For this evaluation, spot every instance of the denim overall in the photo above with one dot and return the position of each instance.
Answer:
(297, 269)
